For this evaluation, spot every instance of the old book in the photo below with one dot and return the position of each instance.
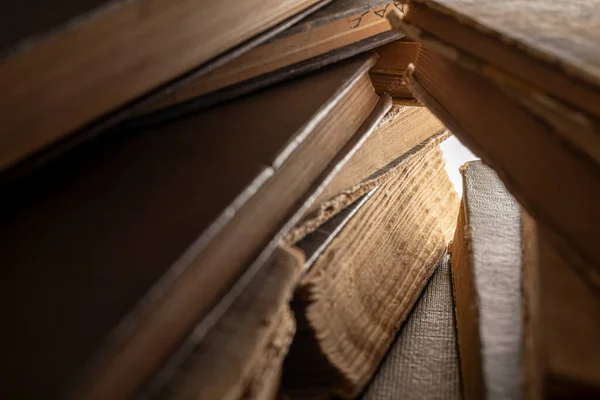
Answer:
(562, 323)
(554, 50)
(403, 130)
(340, 24)
(352, 301)
(241, 356)
(422, 363)
(486, 274)
(164, 376)
(551, 73)
(142, 217)
(56, 77)
(532, 160)
(553, 348)
(543, 73)
(394, 59)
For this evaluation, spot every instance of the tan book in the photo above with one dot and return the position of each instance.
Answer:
(129, 231)
(403, 130)
(531, 159)
(486, 275)
(354, 298)
(562, 323)
(64, 66)
(394, 59)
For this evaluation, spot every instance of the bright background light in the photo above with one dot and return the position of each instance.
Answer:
(456, 155)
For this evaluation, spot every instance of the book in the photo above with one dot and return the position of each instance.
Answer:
(403, 130)
(553, 76)
(486, 276)
(148, 212)
(394, 59)
(354, 298)
(532, 161)
(551, 73)
(241, 355)
(339, 25)
(561, 349)
(555, 53)
(56, 77)
(163, 377)
(422, 363)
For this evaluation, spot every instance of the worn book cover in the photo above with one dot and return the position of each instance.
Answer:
(130, 229)
(486, 275)
(555, 50)
(60, 81)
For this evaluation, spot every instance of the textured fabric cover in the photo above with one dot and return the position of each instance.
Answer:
(423, 361)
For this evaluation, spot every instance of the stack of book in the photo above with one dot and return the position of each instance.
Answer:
(209, 200)
(518, 82)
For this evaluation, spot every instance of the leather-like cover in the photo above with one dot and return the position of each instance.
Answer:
(550, 51)
(43, 156)
(140, 206)
(262, 82)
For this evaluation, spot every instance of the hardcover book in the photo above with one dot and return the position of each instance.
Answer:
(486, 275)
(65, 66)
(129, 231)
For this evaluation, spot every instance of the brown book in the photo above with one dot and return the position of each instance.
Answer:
(352, 301)
(64, 66)
(241, 355)
(142, 217)
(553, 50)
(163, 377)
(527, 321)
(403, 130)
(394, 59)
(533, 162)
(338, 25)
(562, 323)
(486, 275)
(540, 77)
